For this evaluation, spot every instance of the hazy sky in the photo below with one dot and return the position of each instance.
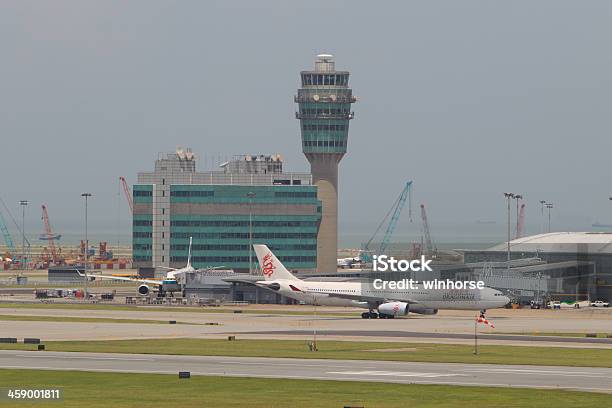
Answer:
(466, 98)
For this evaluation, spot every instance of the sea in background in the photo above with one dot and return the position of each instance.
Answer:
(473, 235)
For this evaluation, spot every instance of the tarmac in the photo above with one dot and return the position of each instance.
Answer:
(547, 377)
(514, 327)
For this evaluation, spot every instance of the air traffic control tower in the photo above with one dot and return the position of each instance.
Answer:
(324, 113)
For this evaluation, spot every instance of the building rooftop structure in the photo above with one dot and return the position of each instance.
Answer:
(254, 164)
(180, 168)
(591, 242)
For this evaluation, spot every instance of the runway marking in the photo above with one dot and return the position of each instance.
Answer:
(536, 372)
(84, 358)
(280, 364)
(396, 374)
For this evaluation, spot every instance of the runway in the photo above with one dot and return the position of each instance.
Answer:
(575, 378)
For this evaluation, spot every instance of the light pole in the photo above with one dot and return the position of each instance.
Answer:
(251, 195)
(549, 206)
(23, 204)
(509, 196)
(86, 294)
(542, 202)
(517, 197)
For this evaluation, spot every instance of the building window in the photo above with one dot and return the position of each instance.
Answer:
(197, 193)
(295, 194)
(282, 182)
(140, 193)
(241, 223)
(244, 235)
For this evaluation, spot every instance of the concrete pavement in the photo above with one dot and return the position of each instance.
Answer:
(575, 378)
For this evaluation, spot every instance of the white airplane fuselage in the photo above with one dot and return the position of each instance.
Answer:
(464, 299)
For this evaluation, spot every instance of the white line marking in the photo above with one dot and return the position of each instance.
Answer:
(395, 374)
(281, 364)
(84, 358)
(539, 372)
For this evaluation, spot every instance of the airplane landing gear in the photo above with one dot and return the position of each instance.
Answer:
(369, 315)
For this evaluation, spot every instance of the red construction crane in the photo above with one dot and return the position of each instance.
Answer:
(128, 195)
(431, 249)
(49, 236)
(520, 226)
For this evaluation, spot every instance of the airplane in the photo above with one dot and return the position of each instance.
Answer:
(167, 285)
(389, 304)
(346, 263)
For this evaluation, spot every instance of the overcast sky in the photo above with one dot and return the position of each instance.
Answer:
(466, 98)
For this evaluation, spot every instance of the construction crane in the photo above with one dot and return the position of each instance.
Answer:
(429, 245)
(520, 225)
(7, 235)
(395, 210)
(49, 236)
(128, 195)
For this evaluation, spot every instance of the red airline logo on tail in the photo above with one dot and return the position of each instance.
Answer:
(268, 265)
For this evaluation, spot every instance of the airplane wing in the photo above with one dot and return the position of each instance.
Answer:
(124, 278)
(361, 298)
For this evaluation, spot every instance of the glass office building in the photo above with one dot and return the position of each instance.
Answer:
(250, 200)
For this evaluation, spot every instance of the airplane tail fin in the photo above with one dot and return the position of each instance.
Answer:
(189, 254)
(271, 267)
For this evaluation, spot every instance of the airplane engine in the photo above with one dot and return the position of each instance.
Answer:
(418, 309)
(144, 290)
(393, 309)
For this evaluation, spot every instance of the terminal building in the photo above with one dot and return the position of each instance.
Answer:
(559, 265)
(249, 200)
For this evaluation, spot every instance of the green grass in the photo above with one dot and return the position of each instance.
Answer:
(88, 389)
(155, 308)
(425, 352)
(71, 319)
